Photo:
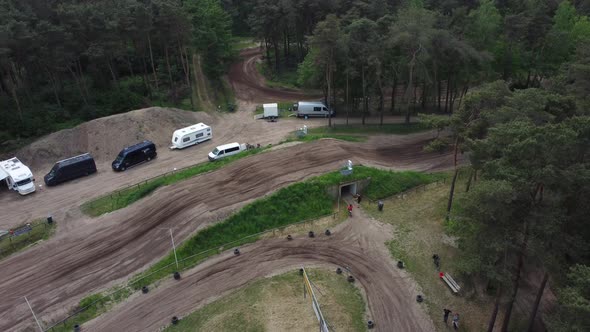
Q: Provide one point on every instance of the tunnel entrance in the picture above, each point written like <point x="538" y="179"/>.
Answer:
<point x="348" y="190"/>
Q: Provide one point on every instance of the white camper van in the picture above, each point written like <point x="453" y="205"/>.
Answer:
<point x="307" y="109"/>
<point x="271" y="110"/>
<point x="226" y="150"/>
<point x="17" y="176"/>
<point x="191" y="135"/>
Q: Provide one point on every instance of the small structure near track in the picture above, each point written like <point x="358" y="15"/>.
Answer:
<point x="450" y="282"/>
<point x="314" y="302"/>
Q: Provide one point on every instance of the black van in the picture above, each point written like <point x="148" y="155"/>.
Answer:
<point x="135" y="154"/>
<point x="69" y="169"/>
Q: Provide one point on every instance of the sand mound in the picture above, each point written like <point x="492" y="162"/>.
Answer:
<point x="103" y="138"/>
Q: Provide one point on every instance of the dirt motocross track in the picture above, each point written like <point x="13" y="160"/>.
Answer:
<point x="88" y="255"/>
<point x="358" y="244"/>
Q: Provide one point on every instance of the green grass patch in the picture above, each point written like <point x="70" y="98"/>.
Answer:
<point x="126" y="197"/>
<point x="239" y="43"/>
<point x="41" y="230"/>
<point x="315" y="137"/>
<point x="391" y="128"/>
<point x="282" y="296"/>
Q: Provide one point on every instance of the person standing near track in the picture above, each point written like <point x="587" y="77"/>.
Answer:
<point x="349" y="210"/>
<point x="456" y="321"/>
<point x="446" y="316"/>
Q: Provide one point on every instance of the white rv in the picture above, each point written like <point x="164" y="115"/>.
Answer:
<point x="17" y="176"/>
<point x="307" y="109"/>
<point x="226" y="150"/>
<point x="191" y="135"/>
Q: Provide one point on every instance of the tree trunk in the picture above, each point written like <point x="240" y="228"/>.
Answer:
<point x="13" y="86"/>
<point x="53" y="82"/>
<point x="277" y="58"/>
<point x="415" y="95"/>
<point x="495" y="311"/>
<point x="82" y="81"/>
<point x="112" y="70"/>
<point x="407" y="94"/>
<point x="347" y="98"/>
<point x="364" y="94"/>
<point x="285" y="49"/>
<point x="451" y="194"/>
<point x="329" y="83"/>
<point x="78" y="84"/>
<point x="469" y="181"/>
<point x="381" y="108"/>
<point x="129" y="65"/>
<point x="516" y="281"/>
<point x="392" y="108"/>
<point x="538" y="301"/>
<point x="168" y="66"/>
<point x="447" y="97"/>
<point x="439" y="93"/>
<point x="424" y="96"/>
<point x="152" y="60"/>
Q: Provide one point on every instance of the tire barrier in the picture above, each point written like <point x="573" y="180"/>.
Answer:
<point x="338" y="271"/>
<point x="175" y="320"/>
<point x="289" y="237"/>
<point x="176" y="275"/>
<point x="311" y="234"/>
<point x="370" y="324"/>
<point x="237" y="252"/>
<point x="145" y="289"/>
<point x="301" y="271"/>
<point x="400" y="264"/>
<point x="350" y="279"/>
<point x="419" y="298"/>
<point x="77" y="328"/>
<point x="327" y="232"/>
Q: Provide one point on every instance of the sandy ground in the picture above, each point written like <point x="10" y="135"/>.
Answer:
<point x="358" y="244"/>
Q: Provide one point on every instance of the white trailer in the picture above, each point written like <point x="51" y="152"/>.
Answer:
<point x="17" y="176"/>
<point x="271" y="110"/>
<point x="191" y="135"/>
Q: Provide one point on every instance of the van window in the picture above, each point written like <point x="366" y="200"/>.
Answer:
<point x="317" y="109"/>
<point x="199" y="135"/>
<point x="232" y="149"/>
<point x="186" y="139"/>
<point x="324" y="109"/>
<point x="175" y="139"/>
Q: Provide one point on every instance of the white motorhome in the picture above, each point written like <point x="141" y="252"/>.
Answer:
<point x="226" y="150"/>
<point x="191" y="135"/>
<point x="17" y="176"/>
<point x="307" y="109"/>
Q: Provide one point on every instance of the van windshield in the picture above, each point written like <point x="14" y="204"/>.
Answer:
<point x="23" y="182"/>
<point x="119" y="159"/>
<point x="216" y="151"/>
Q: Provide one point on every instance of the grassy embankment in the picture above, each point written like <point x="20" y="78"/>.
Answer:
<point x="295" y="203"/>
<point x="40" y="231"/>
<point x="419" y="223"/>
<point x="284" y="307"/>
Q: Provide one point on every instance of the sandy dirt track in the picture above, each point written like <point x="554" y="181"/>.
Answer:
<point x="248" y="84"/>
<point x="57" y="273"/>
<point x="358" y="244"/>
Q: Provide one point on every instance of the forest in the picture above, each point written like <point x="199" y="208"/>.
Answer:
<point x="512" y="76"/>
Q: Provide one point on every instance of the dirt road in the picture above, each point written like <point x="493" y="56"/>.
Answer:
<point x="358" y="244"/>
<point x="98" y="252"/>
<point x="248" y="84"/>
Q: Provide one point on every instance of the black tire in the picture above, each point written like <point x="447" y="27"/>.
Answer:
<point x="123" y="169"/>
<point x="149" y="158"/>
<point x="306" y="116"/>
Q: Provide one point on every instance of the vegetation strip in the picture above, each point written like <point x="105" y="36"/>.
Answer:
<point x="301" y="201"/>
<point x="36" y="231"/>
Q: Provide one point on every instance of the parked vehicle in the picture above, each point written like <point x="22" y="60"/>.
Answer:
<point x="307" y="109"/>
<point x="71" y="168"/>
<point x="17" y="176"/>
<point x="226" y="150"/>
<point x="134" y="155"/>
<point x="191" y="135"/>
<point x="271" y="111"/>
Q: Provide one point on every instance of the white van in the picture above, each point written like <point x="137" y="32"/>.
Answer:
<point x="17" y="175"/>
<point x="307" y="109"/>
<point x="191" y="135"/>
<point x="226" y="150"/>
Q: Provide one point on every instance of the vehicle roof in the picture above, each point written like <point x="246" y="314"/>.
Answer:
<point x="137" y="146"/>
<point x="226" y="146"/>
<point x="15" y="169"/>
<point x="190" y="129"/>
<point x="275" y="105"/>
<point x="73" y="160"/>
<point x="311" y="103"/>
